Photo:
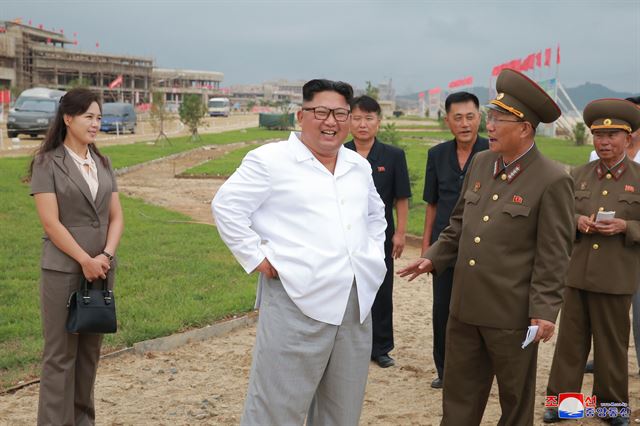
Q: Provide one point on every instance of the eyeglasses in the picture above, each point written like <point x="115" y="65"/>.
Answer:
<point x="494" y="120"/>
<point x="322" y="113"/>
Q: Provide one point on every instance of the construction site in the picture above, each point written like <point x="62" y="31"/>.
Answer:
<point x="33" y="56"/>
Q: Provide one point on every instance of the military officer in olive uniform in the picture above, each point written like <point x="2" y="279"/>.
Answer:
<point x="605" y="263"/>
<point x="509" y="238"/>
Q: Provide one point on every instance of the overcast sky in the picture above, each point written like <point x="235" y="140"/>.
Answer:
<point x="419" y="44"/>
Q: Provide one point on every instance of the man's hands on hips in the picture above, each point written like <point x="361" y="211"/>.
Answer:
<point x="416" y="268"/>
<point x="266" y="268"/>
<point x="545" y="329"/>
<point x="398" y="241"/>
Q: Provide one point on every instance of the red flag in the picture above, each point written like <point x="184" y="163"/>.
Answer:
<point x="117" y="82"/>
<point x="547" y="57"/>
<point x="29" y="22"/>
<point x="48" y="40"/>
<point x="421" y="95"/>
<point x="539" y="59"/>
<point x="434" y="91"/>
<point x="75" y="35"/>
<point x="495" y="71"/>
<point x="97" y="45"/>
<point x="61" y="31"/>
<point x="40" y="26"/>
<point x="528" y="63"/>
<point x="558" y="55"/>
<point x="75" y="42"/>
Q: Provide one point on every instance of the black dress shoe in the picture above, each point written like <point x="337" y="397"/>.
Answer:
<point x="588" y="369"/>
<point x="437" y="383"/>
<point x="384" y="361"/>
<point x="551" y="416"/>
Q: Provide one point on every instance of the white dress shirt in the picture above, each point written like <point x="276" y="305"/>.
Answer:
<point x="318" y="230"/>
<point x="89" y="173"/>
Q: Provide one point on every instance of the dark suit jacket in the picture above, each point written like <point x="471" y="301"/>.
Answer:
<point x="607" y="264"/>
<point x="509" y="238"/>
<point x="86" y="220"/>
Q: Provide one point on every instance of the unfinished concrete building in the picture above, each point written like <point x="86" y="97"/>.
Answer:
<point x="31" y="57"/>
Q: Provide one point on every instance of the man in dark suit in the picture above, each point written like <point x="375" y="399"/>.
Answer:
<point x="391" y="178"/>
<point x="447" y="165"/>
<point x="509" y="238"/>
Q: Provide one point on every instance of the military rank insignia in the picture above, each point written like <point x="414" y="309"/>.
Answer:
<point x="629" y="188"/>
<point x="517" y="199"/>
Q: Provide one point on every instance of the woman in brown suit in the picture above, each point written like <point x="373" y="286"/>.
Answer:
<point x="604" y="268"/>
<point x="76" y="197"/>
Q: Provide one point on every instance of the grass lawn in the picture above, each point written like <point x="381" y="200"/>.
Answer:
<point x="171" y="276"/>
<point x="127" y="155"/>
<point x="223" y="166"/>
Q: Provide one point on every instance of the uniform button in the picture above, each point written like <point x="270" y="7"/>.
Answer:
<point x="494" y="197"/>
<point x="596" y="246"/>
<point x="608" y="176"/>
<point x="503" y="176"/>
<point x="600" y="209"/>
<point x="472" y="262"/>
<point x="95" y="224"/>
<point x="476" y="240"/>
<point x="485" y="219"/>
<point x="605" y="192"/>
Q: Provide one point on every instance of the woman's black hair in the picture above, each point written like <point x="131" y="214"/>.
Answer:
<point x="74" y="102"/>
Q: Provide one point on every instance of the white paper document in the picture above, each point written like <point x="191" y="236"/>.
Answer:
<point x="605" y="216"/>
<point x="531" y="334"/>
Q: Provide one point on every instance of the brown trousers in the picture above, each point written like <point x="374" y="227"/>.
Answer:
<point x="606" y="317"/>
<point x="474" y="355"/>
<point x="69" y="361"/>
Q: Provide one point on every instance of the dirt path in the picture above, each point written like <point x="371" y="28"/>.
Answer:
<point x="204" y="383"/>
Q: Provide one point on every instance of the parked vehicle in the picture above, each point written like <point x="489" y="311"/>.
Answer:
<point x="118" y="117"/>
<point x="33" y="111"/>
<point x="219" y="107"/>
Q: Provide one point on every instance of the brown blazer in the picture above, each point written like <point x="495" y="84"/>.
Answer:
<point x="607" y="264"/>
<point x="509" y="237"/>
<point x="86" y="220"/>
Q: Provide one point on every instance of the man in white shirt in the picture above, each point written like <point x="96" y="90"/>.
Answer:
<point x="306" y="215"/>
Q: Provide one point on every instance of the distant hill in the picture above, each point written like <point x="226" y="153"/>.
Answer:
<point x="580" y="95"/>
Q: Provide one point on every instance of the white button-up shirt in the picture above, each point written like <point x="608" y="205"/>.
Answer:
<point x="318" y="230"/>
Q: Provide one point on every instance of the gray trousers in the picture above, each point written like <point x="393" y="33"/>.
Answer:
<point x="69" y="361"/>
<point x="635" y="302"/>
<point x="303" y="368"/>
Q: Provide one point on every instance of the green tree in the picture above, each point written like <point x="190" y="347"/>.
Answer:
<point x="158" y="115"/>
<point x="191" y="113"/>
<point x="372" y="90"/>
<point x="579" y="134"/>
<point x="390" y="134"/>
<point x="79" y="82"/>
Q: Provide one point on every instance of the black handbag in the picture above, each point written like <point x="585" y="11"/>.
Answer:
<point x="91" y="310"/>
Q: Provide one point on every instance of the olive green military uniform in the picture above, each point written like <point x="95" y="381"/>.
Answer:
<point x="603" y="275"/>
<point x="509" y="238"/>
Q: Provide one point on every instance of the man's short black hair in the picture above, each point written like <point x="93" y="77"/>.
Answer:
<point x="318" y="85"/>
<point x="635" y="100"/>
<point x="460" y="97"/>
<point x="366" y="104"/>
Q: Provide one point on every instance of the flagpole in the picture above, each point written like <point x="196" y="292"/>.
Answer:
<point x="555" y="95"/>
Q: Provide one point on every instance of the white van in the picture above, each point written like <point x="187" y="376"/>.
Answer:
<point x="219" y="107"/>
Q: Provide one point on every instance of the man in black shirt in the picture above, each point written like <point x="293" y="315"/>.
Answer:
<point x="446" y="167"/>
<point x="391" y="178"/>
